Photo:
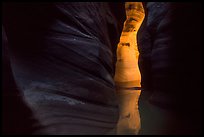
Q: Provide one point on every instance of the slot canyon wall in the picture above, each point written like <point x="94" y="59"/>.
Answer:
<point x="170" y="62"/>
<point x="62" y="62"/>
<point x="127" y="70"/>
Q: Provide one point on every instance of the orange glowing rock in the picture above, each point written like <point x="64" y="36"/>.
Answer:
<point x="127" y="70"/>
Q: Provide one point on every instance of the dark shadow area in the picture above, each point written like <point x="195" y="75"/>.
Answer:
<point x="16" y="116"/>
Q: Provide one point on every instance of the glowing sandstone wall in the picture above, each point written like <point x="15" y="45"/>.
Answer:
<point x="127" y="71"/>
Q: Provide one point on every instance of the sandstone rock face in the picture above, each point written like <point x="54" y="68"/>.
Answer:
<point x="169" y="42"/>
<point x="62" y="58"/>
<point x="127" y="71"/>
<point x="165" y="41"/>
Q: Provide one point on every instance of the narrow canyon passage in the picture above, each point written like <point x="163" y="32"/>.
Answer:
<point x="127" y="71"/>
<point x="61" y="76"/>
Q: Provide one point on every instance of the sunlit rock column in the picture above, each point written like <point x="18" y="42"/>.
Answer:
<point x="127" y="71"/>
